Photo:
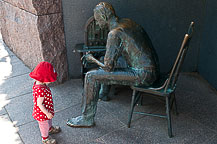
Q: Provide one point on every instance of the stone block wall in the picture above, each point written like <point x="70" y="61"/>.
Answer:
<point x="34" y="31"/>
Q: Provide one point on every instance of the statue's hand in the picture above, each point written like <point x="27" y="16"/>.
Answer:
<point x="89" y="57"/>
<point x="107" y="69"/>
<point x="86" y="58"/>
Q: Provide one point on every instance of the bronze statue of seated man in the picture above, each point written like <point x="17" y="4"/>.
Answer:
<point x="126" y="39"/>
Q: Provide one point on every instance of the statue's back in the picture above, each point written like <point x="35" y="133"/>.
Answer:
<point x="138" y="42"/>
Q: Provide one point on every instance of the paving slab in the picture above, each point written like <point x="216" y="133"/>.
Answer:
<point x="4" y="46"/>
<point x="8" y="132"/>
<point x="18" y="68"/>
<point x="213" y="140"/>
<point x="20" y="109"/>
<point x="119" y="105"/>
<point x="198" y="100"/>
<point x="97" y="141"/>
<point x="67" y="94"/>
<point x="196" y="122"/>
<point x="105" y="123"/>
<point x="154" y="130"/>
<point x="12" y="56"/>
<point x="30" y="133"/>
<point x="16" y="86"/>
<point x="64" y="96"/>
<point x="2" y="111"/>
<point x="6" y="67"/>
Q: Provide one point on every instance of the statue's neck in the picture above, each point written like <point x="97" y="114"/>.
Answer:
<point x="113" y="22"/>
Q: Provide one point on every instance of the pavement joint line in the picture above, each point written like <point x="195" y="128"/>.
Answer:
<point x="99" y="138"/>
<point x="3" y="114"/>
<point x="25" y="123"/>
<point x="13" y="125"/>
<point x="55" y="112"/>
<point x="16" y="61"/>
<point x="67" y="108"/>
<point x="209" y="139"/>
<point x="17" y="75"/>
<point x="19" y="95"/>
<point x="155" y="110"/>
<point x="111" y="132"/>
<point x="188" y="115"/>
<point x="114" y="116"/>
<point x="104" y="142"/>
<point x="3" y="108"/>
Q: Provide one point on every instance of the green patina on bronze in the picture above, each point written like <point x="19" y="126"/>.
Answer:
<point x="126" y="39"/>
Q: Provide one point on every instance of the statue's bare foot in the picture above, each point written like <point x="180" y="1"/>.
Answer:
<point x="80" y="121"/>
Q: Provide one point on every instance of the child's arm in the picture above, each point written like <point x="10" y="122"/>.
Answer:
<point x="43" y="109"/>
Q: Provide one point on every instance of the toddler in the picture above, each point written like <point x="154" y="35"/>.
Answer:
<point x="43" y="110"/>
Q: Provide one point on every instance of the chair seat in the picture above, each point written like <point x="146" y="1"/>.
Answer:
<point x="157" y="87"/>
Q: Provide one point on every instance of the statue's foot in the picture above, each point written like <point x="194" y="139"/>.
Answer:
<point x="80" y="121"/>
<point x="105" y="98"/>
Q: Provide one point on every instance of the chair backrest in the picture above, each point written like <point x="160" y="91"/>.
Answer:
<point x="173" y="76"/>
<point x="94" y="36"/>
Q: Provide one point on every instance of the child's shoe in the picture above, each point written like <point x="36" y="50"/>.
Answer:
<point x="54" y="130"/>
<point x="49" y="141"/>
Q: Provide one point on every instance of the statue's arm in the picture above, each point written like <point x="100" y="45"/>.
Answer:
<point x="90" y="58"/>
<point x="113" y="49"/>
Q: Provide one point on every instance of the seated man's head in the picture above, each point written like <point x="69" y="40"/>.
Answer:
<point x="103" y="12"/>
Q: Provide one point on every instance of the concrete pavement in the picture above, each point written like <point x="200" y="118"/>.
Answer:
<point x="195" y="124"/>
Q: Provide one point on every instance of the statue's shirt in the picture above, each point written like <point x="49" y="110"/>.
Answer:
<point x="129" y="40"/>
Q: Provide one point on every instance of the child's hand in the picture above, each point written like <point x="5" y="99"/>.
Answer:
<point x="49" y="116"/>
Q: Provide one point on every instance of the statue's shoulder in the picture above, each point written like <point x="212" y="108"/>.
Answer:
<point x="116" y="31"/>
<point x="126" y="22"/>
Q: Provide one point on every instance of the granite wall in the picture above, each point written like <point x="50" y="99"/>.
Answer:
<point x="34" y="31"/>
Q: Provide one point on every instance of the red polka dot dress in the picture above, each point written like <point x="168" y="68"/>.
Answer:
<point x="42" y="91"/>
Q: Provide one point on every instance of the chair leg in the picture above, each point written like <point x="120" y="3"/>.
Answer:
<point x="132" y="107"/>
<point x="168" y="117"/>
<point x="175" y="105"/>
<point x="141" y="100"/>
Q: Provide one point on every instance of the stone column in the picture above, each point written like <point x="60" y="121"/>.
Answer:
<point x="34" y="31"/>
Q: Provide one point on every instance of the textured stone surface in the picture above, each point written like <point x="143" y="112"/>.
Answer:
<point x="212" y="140"/>
<point x="111" y="116"/>
<point x="20" y="33"/>
<point x="106" y="123"/>
<point x="35" y="38"/>
<point x="21" y="85"/>
<point x="37" y="7"/>
<point x="9" y="133"/>
<point x="67" y="94"/>
<point x="18" y="69"/>
<point x="16" y="108"/>
<point x="51" y="32"/>
<point x="2" y="111"/>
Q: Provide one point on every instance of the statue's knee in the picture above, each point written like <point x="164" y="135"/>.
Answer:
<point x="90" y="75"/>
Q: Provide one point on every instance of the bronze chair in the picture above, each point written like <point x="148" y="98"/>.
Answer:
<point x="165" y="86"/>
